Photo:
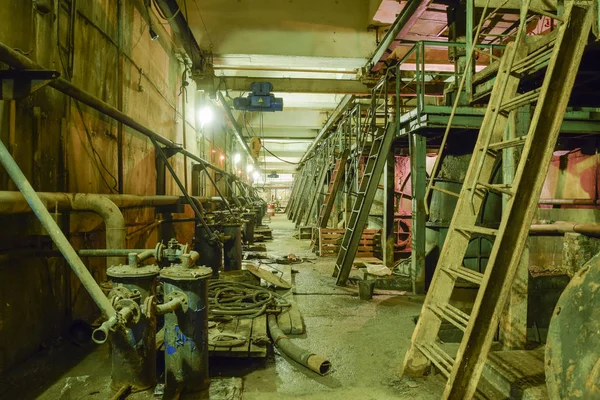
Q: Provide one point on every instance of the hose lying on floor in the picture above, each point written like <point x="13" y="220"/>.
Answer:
<point x="242" y="299"/>
<point x="310" y="360"/>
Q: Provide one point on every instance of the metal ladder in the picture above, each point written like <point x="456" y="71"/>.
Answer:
<point x="380" y="148"/>
<point x="565" y="51"/>
<point x="336" y="179"/>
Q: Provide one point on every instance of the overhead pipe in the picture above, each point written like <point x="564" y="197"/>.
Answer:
<point x="16" y="60"/>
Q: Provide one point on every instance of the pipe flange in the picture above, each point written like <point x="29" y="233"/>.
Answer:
<point x="119" y="292"/>
<point x="182" y="297"/>
<point x="136" y="312"/>
<point x="149" y="307"/>
<point x="158" y="252"/>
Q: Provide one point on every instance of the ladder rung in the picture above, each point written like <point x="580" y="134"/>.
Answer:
<point x="533" y="60"/>
<point x="437" y="356"/>
<point x="466" y="274"/>
<point x="451" y="193"/>
<point x="521" y="100"/>
<point x="477" y="229"/>
<point x="520" y="141"/>
<point x="451" y="314"/>
<point x="498" y="188"/>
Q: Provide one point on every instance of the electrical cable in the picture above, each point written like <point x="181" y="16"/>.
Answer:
<point x="204" y="24"/>
<point x="95" y="155"/>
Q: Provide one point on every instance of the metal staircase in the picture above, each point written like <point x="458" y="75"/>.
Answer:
<point x="563" y="51"/>
<point x="376" y="160"/>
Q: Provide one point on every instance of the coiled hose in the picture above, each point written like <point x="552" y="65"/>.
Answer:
<point x="242" y="299"/>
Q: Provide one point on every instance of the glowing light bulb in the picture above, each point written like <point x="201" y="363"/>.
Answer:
<point x="237" y="158"/>
<point x="205" y="115"/>
<point x="249" y="168"/>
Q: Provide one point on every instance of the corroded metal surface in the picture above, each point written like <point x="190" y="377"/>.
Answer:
<point x="573" y="344"/>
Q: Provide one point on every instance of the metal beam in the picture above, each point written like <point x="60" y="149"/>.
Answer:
<point x="337" y="113"/>
<point x="411" y="12"/>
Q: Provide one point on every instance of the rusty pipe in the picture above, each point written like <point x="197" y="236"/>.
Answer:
<point x="114" y="222"/>
<point x="562" y="227"/>
<point x="19" y="61"/>
<point x="569" y="202"/>
<point x="45" y="218"/>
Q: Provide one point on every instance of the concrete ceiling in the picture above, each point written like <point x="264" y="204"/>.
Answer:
<point x="310" y="50"/>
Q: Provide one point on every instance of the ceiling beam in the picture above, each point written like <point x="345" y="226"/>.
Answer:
<point x="410" y="14"/>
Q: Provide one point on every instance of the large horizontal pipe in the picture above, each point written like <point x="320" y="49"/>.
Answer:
<point x="58" y="237"/>
<point x="569" y="202"/>
<point x="15" y="203"/>
<point x="561" y="227"/>
<point x="19" y="61"/>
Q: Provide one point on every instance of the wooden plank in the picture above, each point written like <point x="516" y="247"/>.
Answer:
<point x="259" y="337"/>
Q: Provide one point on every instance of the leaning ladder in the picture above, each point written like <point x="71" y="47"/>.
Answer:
<point x="380" y="148"/>
<point x="336" y="179"/>
<point x="463" y="371"/>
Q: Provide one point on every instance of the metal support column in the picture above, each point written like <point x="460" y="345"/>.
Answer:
<point x="389" y="237"/>
<point x="418" y="173"/>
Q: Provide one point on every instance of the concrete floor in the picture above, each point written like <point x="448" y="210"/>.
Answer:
<point x="364" y="340"/>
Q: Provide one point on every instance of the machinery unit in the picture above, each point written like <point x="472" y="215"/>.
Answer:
<point x="133" y="346"/>
<point x="186" y="325"/>
<point x="261" y="99"/>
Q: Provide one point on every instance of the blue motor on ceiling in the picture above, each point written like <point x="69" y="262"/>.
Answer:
<point x="261" y="99"/>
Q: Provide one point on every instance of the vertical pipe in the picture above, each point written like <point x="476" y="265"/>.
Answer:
<point x="470" y="43"/>
<point x="87" y="280"/>
<point x="418" y="155"/>
<point x="232" y="248"/>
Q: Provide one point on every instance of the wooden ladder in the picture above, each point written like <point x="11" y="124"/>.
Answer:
<point x="380" y="147"/>
<point x="312" y="200"/>
<point x="565" y="51"/>
<point x="336" y="179"/>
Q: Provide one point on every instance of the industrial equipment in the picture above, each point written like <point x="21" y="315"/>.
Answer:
<point x="133" y="345"/>
<point x="185" y="288"/>
<point x="261" y="99"/>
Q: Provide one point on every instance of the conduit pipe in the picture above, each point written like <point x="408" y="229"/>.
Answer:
<point x="310" y="360"/>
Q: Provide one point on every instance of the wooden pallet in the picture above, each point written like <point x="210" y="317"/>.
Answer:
<point x="331" y="239"/>
<point x="254" y="329"/>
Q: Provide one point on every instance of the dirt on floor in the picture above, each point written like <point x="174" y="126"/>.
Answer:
<point x="364" y="340"/>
